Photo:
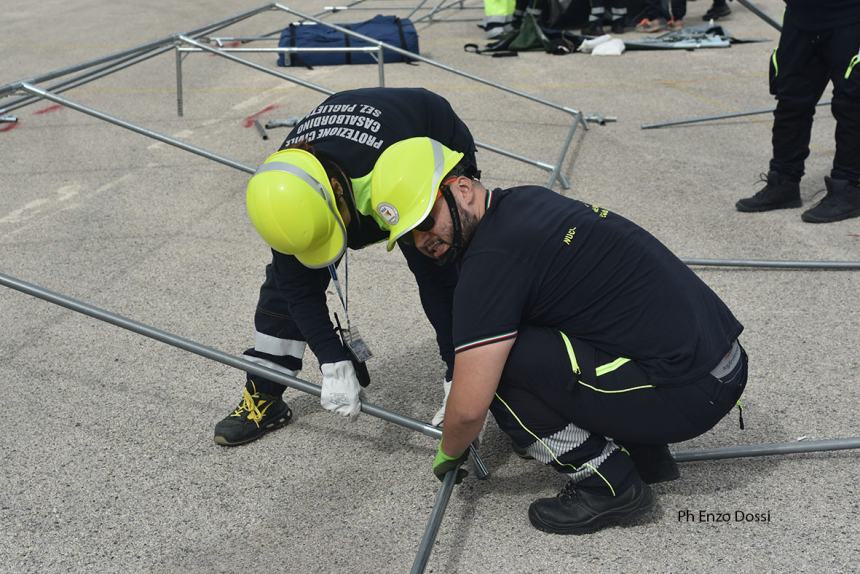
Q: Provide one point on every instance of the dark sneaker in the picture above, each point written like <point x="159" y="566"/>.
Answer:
<point x="257" y="414"/>
<point x="653" y="462"/>
<point x="778" y="193"/>
<point x="582" y="511"/>
<point x="618" y="26"/>
<point x="841" y="202"/>
<point x="593" y="29"/>
<point x="716" y="12"/>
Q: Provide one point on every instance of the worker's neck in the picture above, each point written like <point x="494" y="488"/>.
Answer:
<point x="480" y="198"/>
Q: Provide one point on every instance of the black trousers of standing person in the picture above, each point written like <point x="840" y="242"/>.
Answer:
<point x="800" y="69"/>
<point x="560" y="399"/>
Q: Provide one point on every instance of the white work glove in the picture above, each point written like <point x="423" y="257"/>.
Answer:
<point x="439" y="417"/>
<point x="341" y="392"/>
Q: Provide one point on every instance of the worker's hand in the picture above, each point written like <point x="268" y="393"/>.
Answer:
<point x="439" y="417"/>
<point x="444" y="463"/>
<point x="340" y="389"/>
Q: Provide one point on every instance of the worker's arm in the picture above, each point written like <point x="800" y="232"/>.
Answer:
<point x="477" y="372"/>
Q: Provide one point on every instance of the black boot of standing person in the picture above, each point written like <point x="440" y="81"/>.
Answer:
<point x="719" y="9"/>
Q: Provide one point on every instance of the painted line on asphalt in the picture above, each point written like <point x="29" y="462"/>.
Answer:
<point x="44" y="207"/>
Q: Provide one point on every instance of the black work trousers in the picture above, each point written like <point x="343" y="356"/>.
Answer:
<point x="562" y="399"/>
<point x="800" y="69"/>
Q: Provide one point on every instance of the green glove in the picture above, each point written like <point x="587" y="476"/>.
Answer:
<point x="444" y="463"/>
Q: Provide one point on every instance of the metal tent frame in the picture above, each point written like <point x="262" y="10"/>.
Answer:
<point x="444" y="494"/>
<point x="95" y="69"/>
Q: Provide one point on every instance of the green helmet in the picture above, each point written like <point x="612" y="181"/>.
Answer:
<point x="406" y="180"/>
<point x="291" y="204"/>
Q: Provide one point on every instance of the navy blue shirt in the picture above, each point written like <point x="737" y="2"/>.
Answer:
<point x="352" y="129"/>
<point x="541" y="259"/>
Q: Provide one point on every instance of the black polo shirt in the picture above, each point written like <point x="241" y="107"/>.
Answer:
<point x="539" y="258"/>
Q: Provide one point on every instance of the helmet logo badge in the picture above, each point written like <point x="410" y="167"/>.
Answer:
<point x="388" y="212"/>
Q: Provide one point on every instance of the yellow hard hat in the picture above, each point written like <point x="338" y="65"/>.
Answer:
<point x="291" y="204"/>
<point x="405" y="182"/>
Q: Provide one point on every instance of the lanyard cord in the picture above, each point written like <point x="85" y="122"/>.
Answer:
<point x="344" y="300"/>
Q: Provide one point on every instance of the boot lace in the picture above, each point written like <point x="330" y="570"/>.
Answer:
<point x="251" y="404"/>
<point x="568" y="490"/>
<point x="762" y="179"/>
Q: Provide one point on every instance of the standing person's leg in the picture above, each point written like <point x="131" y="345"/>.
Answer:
<point x="679" y="11"/>
<point x="278" y="344"/>
<point x="719" y="9"/>
<point x="798" y="76"/>
<point x="498" y="17"/>
<point x="842" y="52"/>
<point x="595" y="19"/>
<point x="654" y="20"/>
<point x="618" y="11"/>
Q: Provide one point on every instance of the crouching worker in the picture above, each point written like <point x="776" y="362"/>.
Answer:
<point x="310" y="201"/>
<point x="572" y="325"/>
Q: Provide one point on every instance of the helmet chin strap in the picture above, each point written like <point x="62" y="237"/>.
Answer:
<point x="455" y="250"/>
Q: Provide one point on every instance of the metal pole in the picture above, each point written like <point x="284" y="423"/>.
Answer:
<point x="215" y="355"/>
<point x="416" y="9"/>
<point x="381" y="63"/>
<point x="556" y="170"/>
<point x="839" y="265"/>
<point x="752" y="8"/>
<point x="541" y="164"/>
<point x="327" y="11"/>
<point x="711" y="118"/>
<point x="767" y="449"/>
<point x="8" y="88"/>
<point x="257" y="67"/>
<point x="143" y="131"/>
<point x="432" y="529"/>
<point x="440" y="8"/>
<point x="90" y="76"/>
<point x="179" y="111"/>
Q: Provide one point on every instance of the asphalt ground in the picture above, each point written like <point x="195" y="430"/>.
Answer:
<point x="108" y="463"/>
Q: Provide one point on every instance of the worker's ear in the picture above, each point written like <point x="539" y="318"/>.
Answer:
<point x="462" y="186"/>
<point x="342" y="206"/>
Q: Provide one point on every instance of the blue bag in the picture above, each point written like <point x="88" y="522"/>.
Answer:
<point x="389" y="29"/>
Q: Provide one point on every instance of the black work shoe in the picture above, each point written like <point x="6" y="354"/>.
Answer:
<point x="778" y="193"/>
<point x="593" y="29"/>
<point x="618" y="26"/>
<point x="841" y="202"/>
<point x="257" y="414"/>
<point x="653" y="462"/>
<point x="521" y="452"/>
<point x="716" y="12"/>
<point x="582" y="511"/>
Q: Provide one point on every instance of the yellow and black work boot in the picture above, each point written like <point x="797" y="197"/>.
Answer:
<point x="579" y="510"/>
<point x="779" y="192"/>
<point x="257" y="414"/>
<point x="841" y="202"/>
